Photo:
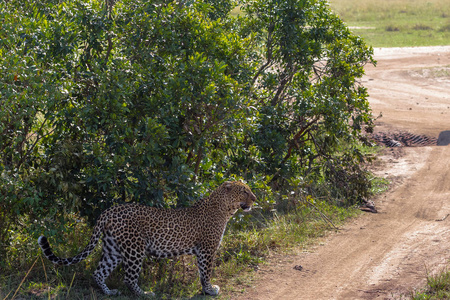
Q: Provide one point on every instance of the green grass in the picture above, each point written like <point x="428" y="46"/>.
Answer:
<point x="438" y="287"/>
<point x="397" y="23"/>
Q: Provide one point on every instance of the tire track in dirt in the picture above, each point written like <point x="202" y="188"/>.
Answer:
<point x="385" y="255"/>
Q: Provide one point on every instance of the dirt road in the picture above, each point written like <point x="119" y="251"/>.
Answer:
<point x="386" y="255"/>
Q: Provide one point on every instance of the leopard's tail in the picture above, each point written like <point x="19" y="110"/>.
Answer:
<point x="45" y="246"/>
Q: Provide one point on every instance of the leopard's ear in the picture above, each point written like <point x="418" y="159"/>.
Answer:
<point x="228" y="185"/>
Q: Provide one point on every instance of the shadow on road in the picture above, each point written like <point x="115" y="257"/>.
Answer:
<point x="444" y="138"/>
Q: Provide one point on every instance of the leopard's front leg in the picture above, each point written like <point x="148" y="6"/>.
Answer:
<point x="205" y="260"/>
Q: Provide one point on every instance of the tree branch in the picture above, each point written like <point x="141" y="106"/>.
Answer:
<point x="269" y="54"/>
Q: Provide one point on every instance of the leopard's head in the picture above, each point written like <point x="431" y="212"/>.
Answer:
<point x="237" y="195"/>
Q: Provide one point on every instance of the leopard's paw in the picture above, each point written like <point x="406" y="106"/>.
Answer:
<point x="212" y="291"/>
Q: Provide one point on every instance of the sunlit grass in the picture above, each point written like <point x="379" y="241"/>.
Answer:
<point x="236" y="11"/>
<point x="397" y="23"/>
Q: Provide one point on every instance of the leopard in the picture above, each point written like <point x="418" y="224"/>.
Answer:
<point x="130" y="232"/>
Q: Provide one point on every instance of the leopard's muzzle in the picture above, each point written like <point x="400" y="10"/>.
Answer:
<point x="247" y="205"/>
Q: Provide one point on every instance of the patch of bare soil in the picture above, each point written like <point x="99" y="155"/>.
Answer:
<point x="386" y="255"/>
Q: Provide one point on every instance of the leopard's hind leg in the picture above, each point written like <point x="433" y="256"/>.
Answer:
<point x="111" y="258"/>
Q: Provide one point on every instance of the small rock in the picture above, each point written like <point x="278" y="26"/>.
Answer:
<point x="298" y="267"/>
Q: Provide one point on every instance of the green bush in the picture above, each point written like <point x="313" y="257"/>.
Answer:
<point x="158" y="102"/>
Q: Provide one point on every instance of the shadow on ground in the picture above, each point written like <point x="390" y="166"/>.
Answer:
<point x="444" y="138"/>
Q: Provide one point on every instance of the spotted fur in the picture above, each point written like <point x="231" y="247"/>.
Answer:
<point x="132" y="231"/>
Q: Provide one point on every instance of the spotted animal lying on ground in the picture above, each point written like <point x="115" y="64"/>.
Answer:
<point x="131" y="231"/>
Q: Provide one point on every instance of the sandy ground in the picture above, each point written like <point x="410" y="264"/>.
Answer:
<point x="386" y="255"/>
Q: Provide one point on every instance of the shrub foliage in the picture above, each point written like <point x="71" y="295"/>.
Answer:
<point x="105" y="102"/>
